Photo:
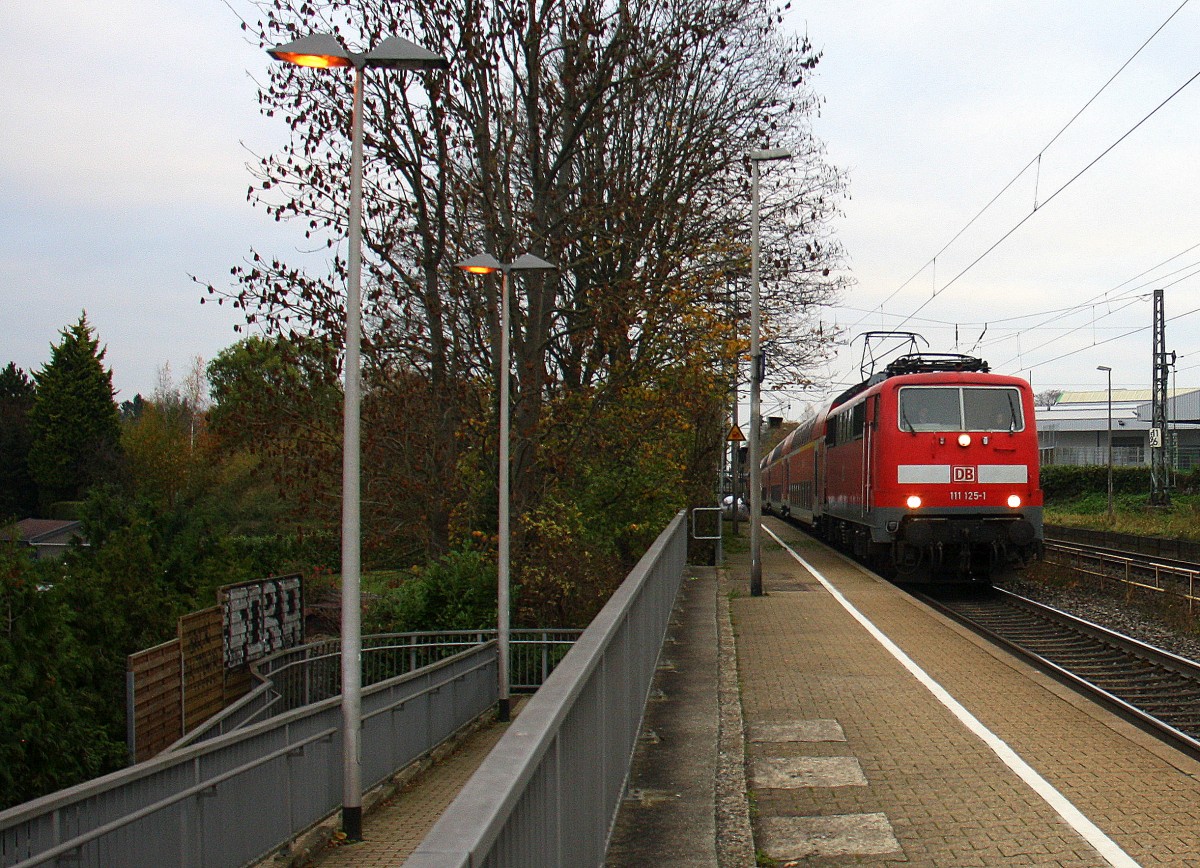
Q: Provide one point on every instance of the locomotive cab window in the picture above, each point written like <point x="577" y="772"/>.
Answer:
<point x="993" y="410"/>
<point x="930" y="408"/>
<point x="955" y="408"/>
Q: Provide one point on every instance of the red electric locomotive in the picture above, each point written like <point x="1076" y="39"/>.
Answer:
<point x="930" y="467"/>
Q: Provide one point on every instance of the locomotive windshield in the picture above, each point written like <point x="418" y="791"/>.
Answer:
<point x="960" y="408"/>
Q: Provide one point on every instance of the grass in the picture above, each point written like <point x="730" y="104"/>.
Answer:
<point x="1132" y="514"/>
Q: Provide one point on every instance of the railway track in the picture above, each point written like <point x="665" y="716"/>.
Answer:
<point x="1158" y="690"/>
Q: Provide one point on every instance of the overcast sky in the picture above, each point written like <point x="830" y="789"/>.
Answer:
<point x="124" y="139"/>
<point x="128" y="125"/>
<point x="935" y="107"/>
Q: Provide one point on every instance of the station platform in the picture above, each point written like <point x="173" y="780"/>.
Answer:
<point x="836" y="720"/>
<point x="879" y="732"/>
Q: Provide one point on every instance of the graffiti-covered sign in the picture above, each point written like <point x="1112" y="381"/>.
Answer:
<point x="261" y="617"/>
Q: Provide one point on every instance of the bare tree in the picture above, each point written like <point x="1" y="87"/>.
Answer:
<point x="604" y="135"/>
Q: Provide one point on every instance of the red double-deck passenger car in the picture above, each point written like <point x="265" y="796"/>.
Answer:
<point x="930" y="467"/>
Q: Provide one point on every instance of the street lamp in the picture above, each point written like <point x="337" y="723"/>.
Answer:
<point x="485" y="263"/>
<point x="1108" y="371"/>
<point x="323" y="51"/>
<point x="757" y="373"/>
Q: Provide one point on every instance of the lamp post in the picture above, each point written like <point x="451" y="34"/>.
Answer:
<point x="324" y="51"/>
<point x="485" y="263"/>
<point x="734" y="444"/>
<point x="757" y="372"/>
<point x="1108" y="371"/>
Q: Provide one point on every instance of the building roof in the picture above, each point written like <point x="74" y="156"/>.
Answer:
<point x="1100" y="396"/>
<point x="1126" y="410"/>
<point x="38" y="530"/>
<point x="1131" y="410"/>
<point x="1091" y="423"/>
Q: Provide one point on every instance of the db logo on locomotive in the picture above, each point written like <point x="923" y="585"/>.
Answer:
<point x="963" y="474"/>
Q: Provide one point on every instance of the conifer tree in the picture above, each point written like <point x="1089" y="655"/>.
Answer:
<point x="18" y="494"/>
<point x="75" y="427"/>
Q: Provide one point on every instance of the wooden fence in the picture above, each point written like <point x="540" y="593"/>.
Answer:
<point x="174" y="687"/>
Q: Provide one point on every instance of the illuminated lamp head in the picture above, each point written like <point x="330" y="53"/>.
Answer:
<point x="1014" y="500"/>
<point x="914" y="501"/>
<point x="964" y="440"/>
<point x="483" y="263"/>
<point x="316" y="61"/>
<point x="320" y="51"/>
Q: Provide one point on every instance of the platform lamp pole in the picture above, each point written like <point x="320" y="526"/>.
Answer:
<point x="485" y="263"/>
<point x="324" y="51"/>
<point x="756" y="375"/>
<point x="1108" y="371"/>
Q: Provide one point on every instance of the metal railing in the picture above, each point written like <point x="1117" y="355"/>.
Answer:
<point x="1081" y="456"/>
<point x="276" y="756"/>
<point x="1172" y="580"/>
<point x="1155" y="546"/>
<point x="311" y="673"/>
<point x="1178" y="457"/>
<point x="548" y="793"/>
<point x="236" y="797"/>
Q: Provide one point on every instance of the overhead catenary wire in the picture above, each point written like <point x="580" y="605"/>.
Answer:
<point x="1110" y="296"/>
<point x="1051" y="198"/>
<point x="1046" y="318"/>
<point x="1036" y="161"/>
<point x="1133" y="331"/>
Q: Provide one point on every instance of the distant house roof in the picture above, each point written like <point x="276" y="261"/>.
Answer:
<point x="49" y="537"/>
<point x="36" y="530"/>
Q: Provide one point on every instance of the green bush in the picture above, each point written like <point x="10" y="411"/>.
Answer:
<point x="54" y="729"/>
<point x="455" y="592"/>
<point x="1062" y="482"/>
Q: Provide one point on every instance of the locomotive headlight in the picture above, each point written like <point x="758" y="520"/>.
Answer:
<point x="964" y="440"/>
<point x="1014" y="500"/>
<point x="914" y="501"/>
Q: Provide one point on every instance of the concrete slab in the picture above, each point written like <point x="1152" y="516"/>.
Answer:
<point x="787" y="838"/>
<point x="776" y="773"/>
<point x="797" y="731"/>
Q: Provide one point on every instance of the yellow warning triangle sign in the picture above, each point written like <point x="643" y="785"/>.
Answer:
<point x="735" y="435"/>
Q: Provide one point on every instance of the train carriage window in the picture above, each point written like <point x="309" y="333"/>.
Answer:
<point x="992" y="410"/>
<point x="858" y="419"/>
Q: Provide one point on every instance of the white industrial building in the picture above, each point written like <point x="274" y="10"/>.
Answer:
<point x="1074" y="430"/>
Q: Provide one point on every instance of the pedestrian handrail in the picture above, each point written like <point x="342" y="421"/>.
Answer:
<point x="235" y="797"/>
<point x="232" y="798"/>
<point x="549" y="792"/>
<point x="300" y="676"/>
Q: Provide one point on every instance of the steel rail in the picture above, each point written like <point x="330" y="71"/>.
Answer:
<point x="1135" y="704"/>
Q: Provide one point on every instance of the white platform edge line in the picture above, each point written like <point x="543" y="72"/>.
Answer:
<point x="1092" y="833"/>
